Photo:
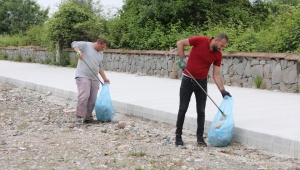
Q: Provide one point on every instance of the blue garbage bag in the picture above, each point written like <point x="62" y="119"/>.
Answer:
<point x="103" y="106"/>
<point x="221" y="130"/>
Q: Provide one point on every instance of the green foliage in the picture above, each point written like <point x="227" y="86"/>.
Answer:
<point x="64" y="59"/>
<point x="289" y="2"/>
<point x="14" y="40"/>
<point x="296" y="89"/>
<point x="29" y="59"/>
<point x="18" y="58"/>
<point x="255" y="26"/>
<point x="72" y="22"/>
<point x="35" y="36"/>
<point x="48" y="61"/>
<point x="263" y="85"/>
<point x="158" y="25"/>
<point x="258" y="81"/>
<point x="139" y="154"/>
<point x="17" y="15"/>
<point x="73" y="62"/>
<point x="92" y="6"/>
<point x="3" y="56"/>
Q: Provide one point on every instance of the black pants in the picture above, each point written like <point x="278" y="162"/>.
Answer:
<point x="188" y="86"/>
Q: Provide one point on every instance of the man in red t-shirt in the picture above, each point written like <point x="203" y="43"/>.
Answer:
<point x="205" y="51"/>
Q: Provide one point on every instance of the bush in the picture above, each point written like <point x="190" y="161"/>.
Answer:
<point x="73" y="62"/>
<point x="257" y="81"/>
<point x="29" y="59"/>
<point x="263" y="85"/>
<point x="296" y="89"/>
<point x="3" y="56"/>
<point x="18" y="58"/>
<point x="64" y="59"/>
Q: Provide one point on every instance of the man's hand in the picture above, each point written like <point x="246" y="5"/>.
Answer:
<point x="182" y="64"/>
<point x="106" y="80"/>
<point x="79" y="55"/>
<point x="225" y="93"/>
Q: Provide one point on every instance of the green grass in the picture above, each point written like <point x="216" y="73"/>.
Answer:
<point x="18" y="58"/>
<point x="257" y="81"/>
<point x="29" y="59"/>
<point x="139" y="154"/>
<point x="3" y="56"/>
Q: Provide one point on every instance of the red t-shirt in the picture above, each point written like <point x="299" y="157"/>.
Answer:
<point x="201" y="57"/>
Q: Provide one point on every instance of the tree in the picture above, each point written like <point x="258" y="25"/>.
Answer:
<point x="288" y="2"/>
<point x="18" y="15"/>
<point x="72" y="22"/>
<point x="93" y="6"/>
<point x="157" y="24"/>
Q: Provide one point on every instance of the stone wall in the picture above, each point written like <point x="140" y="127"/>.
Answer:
<point x="278" y="71"/>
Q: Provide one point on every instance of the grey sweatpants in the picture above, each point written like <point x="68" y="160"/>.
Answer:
<point x="87" y="95"/>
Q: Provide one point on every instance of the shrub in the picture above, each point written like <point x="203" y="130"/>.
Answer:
<point x="263" y="85"/>
<point x="73" y="62"/>
<point x="29" y="59"/>
<point x="257" y="81"/>
<point x="296" y="89"/>
<point x="3" y="56"/>
<point x="18" y="58"/>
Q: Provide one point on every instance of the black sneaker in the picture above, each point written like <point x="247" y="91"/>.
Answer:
<point x="178" y="140"/>
<point x="90" y="121"/>
<point x="201" y="143"/>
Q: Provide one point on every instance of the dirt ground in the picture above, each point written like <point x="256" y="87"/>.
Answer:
<point x="35" y="133"/>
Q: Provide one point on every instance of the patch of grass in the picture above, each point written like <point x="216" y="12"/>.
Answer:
<point x="263" y="85"/>
<point x="64" y="59"/>
<point x="23" y="126"/>
<point x="139" y="154"/>
<point x="3" y="56"/>
<point x="152" y="161"/>
<point x="142" y="154"/>
<point x="138" y="169"/>
<point x="41" y="61"/>
<point x="6" y="116"/>
<point x="227" y="152"/>
<point x="67" y="160"/>
<point x="257" y="81"/>
<point x="132" y="153"/>
<point x="73" y="62"/>
<point x="29" y="59"/>
<point x="296" y="89"/>
<point x="18" y="58"/>
<point x="48" y="61"/>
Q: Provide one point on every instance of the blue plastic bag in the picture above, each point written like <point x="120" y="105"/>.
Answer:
<point x="103" y="106"/>
<point x="221" y="130"/>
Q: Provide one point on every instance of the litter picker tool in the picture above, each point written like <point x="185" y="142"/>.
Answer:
<point x="77" y="54"/>
<point x="223" y="114"/>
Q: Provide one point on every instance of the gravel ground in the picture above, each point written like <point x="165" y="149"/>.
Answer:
<point x="35" y="133"/>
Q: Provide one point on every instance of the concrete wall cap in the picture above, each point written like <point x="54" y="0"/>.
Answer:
<point x="173" y="52"/>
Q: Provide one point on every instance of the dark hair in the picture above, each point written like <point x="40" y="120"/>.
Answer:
<point x="102" y="41"/>
<point x="222" y="36"/>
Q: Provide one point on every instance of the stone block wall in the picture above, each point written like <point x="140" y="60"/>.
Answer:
<point x="37" y="54"/>
<point x="279" y="71"/>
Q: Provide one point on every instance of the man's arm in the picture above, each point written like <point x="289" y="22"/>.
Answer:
<point x="219" y="82"/>
<point x="101" y="72"/>
<point x="180" y="47"/>
<point x="217" y="77"/>
<point x="76" y="46"/>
